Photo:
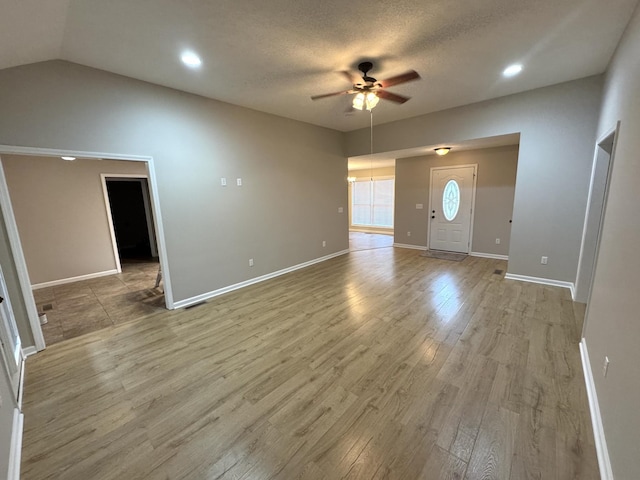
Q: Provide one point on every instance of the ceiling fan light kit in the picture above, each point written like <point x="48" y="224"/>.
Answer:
<point x="369" y="91"/>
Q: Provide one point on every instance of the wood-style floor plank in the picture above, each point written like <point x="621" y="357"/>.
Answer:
<point x="379" y="364"/>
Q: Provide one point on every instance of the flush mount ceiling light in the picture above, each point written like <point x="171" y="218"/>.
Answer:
<point x="68" y="158"/>
<point x="191" y="60"/>
<point x="512" y="70"/>
<point x="442" y="150"/>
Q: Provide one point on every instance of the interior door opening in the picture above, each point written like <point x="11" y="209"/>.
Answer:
<point x="132" y="219"/>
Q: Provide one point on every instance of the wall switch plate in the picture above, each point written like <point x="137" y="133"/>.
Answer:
<point x="223" y="182"/>
<point x="605" y="366"/>
<point x="251" y="262"/>
<point x="239" y="182"/>
<point x="497" y="241"/>
<point x="324" y="243"/>
<point x="419" y="206"/>
<point x="544" y="260"/>
<point x="340" y="210"/>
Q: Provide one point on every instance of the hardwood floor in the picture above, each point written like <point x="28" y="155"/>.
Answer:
<point x="376" y="364"/>
<point x="77" y="308"/>
<point x="367" y="241"/>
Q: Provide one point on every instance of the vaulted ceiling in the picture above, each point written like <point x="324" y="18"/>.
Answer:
<point x="273" y="55"/>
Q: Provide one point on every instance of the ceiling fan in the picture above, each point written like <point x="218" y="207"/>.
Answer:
<point x="368" y="90"/>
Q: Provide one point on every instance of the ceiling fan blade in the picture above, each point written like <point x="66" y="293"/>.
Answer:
<point x="391" y="96"/>
<point x="352" y="77"/>
<point x="398" y="79"/>
<point x="325" y="95"/>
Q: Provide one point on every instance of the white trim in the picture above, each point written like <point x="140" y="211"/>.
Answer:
<point x="19" y="257"/>
<point x="21" y="380"/>
<point x="379" y="231"/>
<point x="412" y="247"/>
<point x="542" y="281"/>
<point x="62" y="281"/>
<point x="206" y="296"/>
<point x="15" y="450"/>
<point x="473" y="200"/>
<point x="112" y="232"/>
<point x="28" y="351"/>
<point x="489" y="255"/>
<point x="19" y="261"/>
<point x="604" y="462"/>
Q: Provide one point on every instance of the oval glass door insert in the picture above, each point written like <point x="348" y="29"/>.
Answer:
<point x="451" y="200"/>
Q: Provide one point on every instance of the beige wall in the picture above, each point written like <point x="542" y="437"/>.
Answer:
<point x="613" y="322"/>
<point x="61" y="215"/>
<point x="494" y="196"/>
<point x="294" y="174"/>
<point x="557" y="126"/>
<point x="368" y="173"/>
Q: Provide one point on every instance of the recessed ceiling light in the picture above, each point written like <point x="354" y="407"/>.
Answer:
<point x="512" y="70"/>
<point x="68" y="158"/>
<point x="190" y="59"/>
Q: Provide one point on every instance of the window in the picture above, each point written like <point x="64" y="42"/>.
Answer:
<point x="451" y="200"/>
<point x="372" y="202"/>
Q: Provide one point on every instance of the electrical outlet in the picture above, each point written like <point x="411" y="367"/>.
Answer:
<point x="544" y="260"/>
<point x="324" y="243"/>
<point x="408" y="234"/>
<point x="239" y="182"/>
<point x="223" y="182"/>
<point x="419" y="206"/>
<point x="497" y="241"/>
<point x="340" y="210"/>
<point x="251" y="262"/>
<point x="605" y="366"/>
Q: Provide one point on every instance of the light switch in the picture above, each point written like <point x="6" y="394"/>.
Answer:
<point x="419" y="206"/>
<point x="239" y="182"/>
<point x="223" y="182"/>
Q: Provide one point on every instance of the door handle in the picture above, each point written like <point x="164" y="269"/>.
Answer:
<point x="1" y="299"/>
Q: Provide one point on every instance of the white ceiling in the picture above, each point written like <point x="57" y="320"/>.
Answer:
<point x="272" y="56"/>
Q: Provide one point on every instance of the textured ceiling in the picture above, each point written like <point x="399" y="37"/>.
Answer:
<point x="272" y="56"/>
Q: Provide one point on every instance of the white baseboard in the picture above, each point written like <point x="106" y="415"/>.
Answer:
<point x="543" y="281"/>
<point x="62" y="281"/>
<point x="15" y="450"/>
<point x="412" y="247"/>
<point x="206" y="296"/>
<point x="604" y="462"/>
<point x="489" y="255"/>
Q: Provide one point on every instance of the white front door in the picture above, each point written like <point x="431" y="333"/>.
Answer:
<point x="452" y="194"/>
<point x="9" y="338"/>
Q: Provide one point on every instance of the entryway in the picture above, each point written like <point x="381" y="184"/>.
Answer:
<point x="451" y="208"/>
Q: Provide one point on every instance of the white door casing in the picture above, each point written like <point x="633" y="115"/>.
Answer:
<point x="10" y="342"/>
<point x="451" y="208"/>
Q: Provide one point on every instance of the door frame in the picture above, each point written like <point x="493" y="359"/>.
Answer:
<point x="104" y="177"/>
<point x="473" y="200"/>
<point x="615" y="132"/>
<point x="14" y="238"/>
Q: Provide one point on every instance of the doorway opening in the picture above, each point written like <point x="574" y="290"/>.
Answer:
<point x="594" y="216"/>
<point x="84" y="287"/>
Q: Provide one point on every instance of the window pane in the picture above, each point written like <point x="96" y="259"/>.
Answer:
<point x="372" y="203"/>
<point x="451" y="200"/>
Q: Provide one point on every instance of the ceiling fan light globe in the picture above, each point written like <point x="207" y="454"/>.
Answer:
<point x="358" y="101"/>
<point x="372" y="100"/>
